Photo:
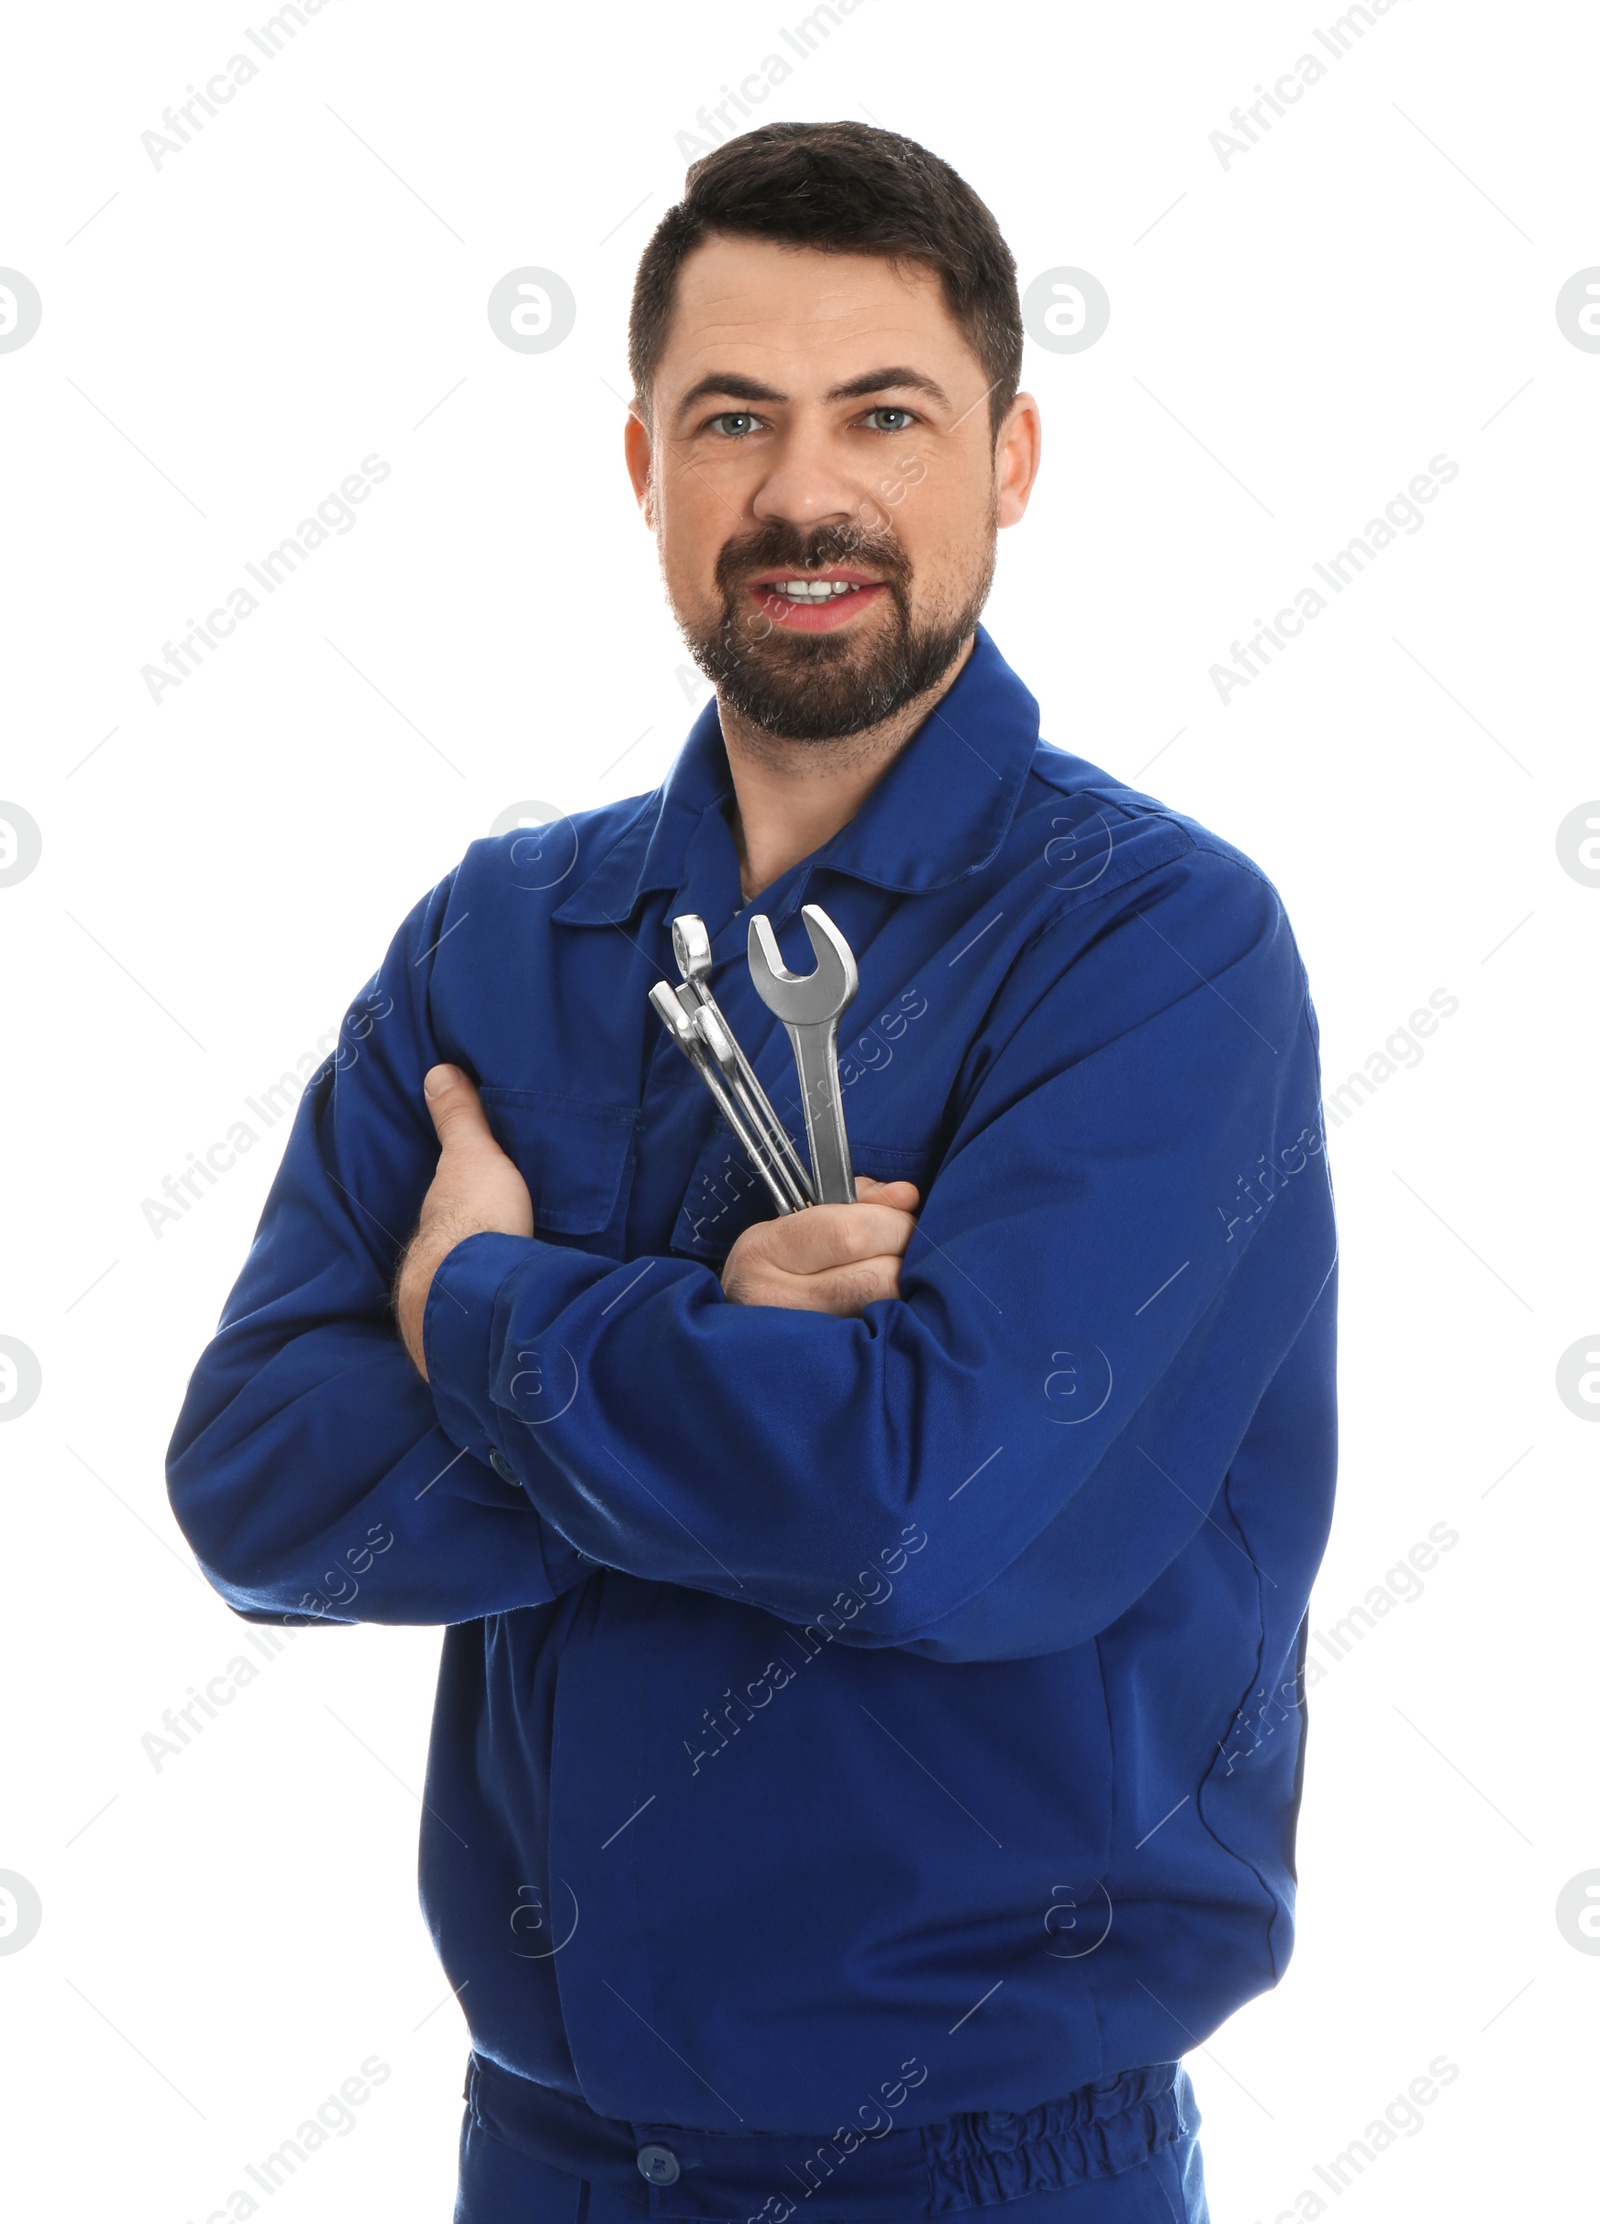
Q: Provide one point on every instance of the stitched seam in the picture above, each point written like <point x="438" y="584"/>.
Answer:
<point x="1232" y="1852"/>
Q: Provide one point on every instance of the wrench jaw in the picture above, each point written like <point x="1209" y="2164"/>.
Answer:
<point x="831" y="947"/>
<point x="803" y="999"/>
<point x="691" y="947"/>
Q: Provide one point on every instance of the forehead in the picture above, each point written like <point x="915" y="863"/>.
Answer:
<point x="800" y="318"/>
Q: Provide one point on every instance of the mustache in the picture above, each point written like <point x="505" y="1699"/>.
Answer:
<point x="779" y="543"/>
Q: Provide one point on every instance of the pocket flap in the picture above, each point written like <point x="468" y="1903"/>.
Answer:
<point x="574" y="1156"/>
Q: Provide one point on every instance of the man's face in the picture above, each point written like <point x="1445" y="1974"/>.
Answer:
<point x="821" y="481"/>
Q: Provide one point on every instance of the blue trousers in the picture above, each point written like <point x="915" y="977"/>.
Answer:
<point x="500" y="2185"/>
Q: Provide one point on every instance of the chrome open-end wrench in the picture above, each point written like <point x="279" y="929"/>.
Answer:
<point x="691" y="946"/>
<point x="809" y="1005"/>
<point x="682" y="1027"/>
<point x="776" y="1149"/>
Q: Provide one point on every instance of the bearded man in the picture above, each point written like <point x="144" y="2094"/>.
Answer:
<point x="1028" y="1452"/>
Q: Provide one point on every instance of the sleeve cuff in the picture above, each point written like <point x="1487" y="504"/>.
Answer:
<point x="458" y="1342"/>
<point x="458" y="1335"/>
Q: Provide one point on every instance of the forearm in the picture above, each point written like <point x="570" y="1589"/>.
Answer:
<point x="1073" y="1291"/>
<point x="315" y="1483"/>
<point x="307" y="1467"/>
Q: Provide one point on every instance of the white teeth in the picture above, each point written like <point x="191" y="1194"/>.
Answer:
<point x="812" y="590"/>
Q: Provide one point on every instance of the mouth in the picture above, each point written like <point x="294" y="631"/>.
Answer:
<point x="815" y="602"/>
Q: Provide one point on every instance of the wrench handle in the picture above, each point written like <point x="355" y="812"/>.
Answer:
<point x="672" y="1015"/>
<point x="745" y="1084"/>
<point x="816" y="1057"/>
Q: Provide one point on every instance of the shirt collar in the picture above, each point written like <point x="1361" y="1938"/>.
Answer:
<point x="939" y="813"/>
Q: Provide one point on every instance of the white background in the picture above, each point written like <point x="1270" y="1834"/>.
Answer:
<point x="1292" y="338"/>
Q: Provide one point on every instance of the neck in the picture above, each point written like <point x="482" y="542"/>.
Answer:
<point x="792" y="796"/>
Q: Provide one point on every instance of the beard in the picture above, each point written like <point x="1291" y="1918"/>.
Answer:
<point x="826" y="686"/>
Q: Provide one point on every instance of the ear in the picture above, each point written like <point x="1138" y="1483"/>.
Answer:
<point x="638" y="449"/>
<point x="1016" y="458"/>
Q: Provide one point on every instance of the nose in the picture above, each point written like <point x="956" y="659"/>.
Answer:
<point x="810" y="480"/>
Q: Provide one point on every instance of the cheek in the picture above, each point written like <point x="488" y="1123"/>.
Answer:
<point x="946" y="519"/>
<point x="691" y="528"/>
<point x="950" y="557"/>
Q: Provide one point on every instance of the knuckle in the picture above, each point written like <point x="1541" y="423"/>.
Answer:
<point x="865" y="1284"/>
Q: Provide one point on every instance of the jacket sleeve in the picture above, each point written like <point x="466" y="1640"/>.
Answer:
<point x="1126" y="1236"/>
<point x="308" y="1469"/>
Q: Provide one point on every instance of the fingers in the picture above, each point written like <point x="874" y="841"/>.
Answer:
<point x="829" y="1258"/>
<point x="902" y="1194"/>
<point x="849" y="1290"/>
<point x="827" y="1236"/>
<point x="845" y="1290"/>
<point x="458" y="1115"/>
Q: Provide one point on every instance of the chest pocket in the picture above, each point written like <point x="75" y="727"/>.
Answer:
<point x="576" y="1158"/>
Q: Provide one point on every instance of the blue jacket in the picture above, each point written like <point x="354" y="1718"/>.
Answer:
<point x="829" y="1710"/>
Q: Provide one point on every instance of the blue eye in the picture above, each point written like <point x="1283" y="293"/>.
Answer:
<point x="890" y="409"/>
<point x="734" y="422"/>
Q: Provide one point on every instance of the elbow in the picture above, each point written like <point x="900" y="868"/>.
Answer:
<point x="199" y="1494"/>
<point x="210" y="1502"/>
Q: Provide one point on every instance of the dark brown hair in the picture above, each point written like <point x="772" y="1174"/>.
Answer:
<point x="847" y="188"/>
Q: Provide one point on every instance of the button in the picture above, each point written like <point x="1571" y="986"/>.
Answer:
<point x="504" y="1469"/>
<point x="659" y="2165"/>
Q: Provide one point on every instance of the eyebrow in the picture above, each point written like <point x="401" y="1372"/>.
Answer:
<point x="736" y="387"/>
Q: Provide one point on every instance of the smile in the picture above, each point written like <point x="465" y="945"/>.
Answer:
<point x="816" y="604"/>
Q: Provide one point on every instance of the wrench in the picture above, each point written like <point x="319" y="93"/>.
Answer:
<point x="809" y="1005"/>
<point x="713" y="1032"/>
<point x="669" y="1009"/>
<point x="691" y="946"/>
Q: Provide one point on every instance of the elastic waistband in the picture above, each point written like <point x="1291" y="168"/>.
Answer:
<point x="929" y="2170"/>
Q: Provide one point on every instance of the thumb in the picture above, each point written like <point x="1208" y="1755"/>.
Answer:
<point x="901" y="1195"/>
<point x="458" y="1116"/>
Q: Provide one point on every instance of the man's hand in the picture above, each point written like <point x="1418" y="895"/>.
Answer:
<point x="476" y="1188"/>
<point x="829" y="1258"/>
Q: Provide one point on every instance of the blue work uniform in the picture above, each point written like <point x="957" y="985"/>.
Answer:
<point x="927" y="1929"/>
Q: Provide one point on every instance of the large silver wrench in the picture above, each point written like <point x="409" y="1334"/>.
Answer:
<point x="691" y="946"/>
<point x="809" y="1005"/>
